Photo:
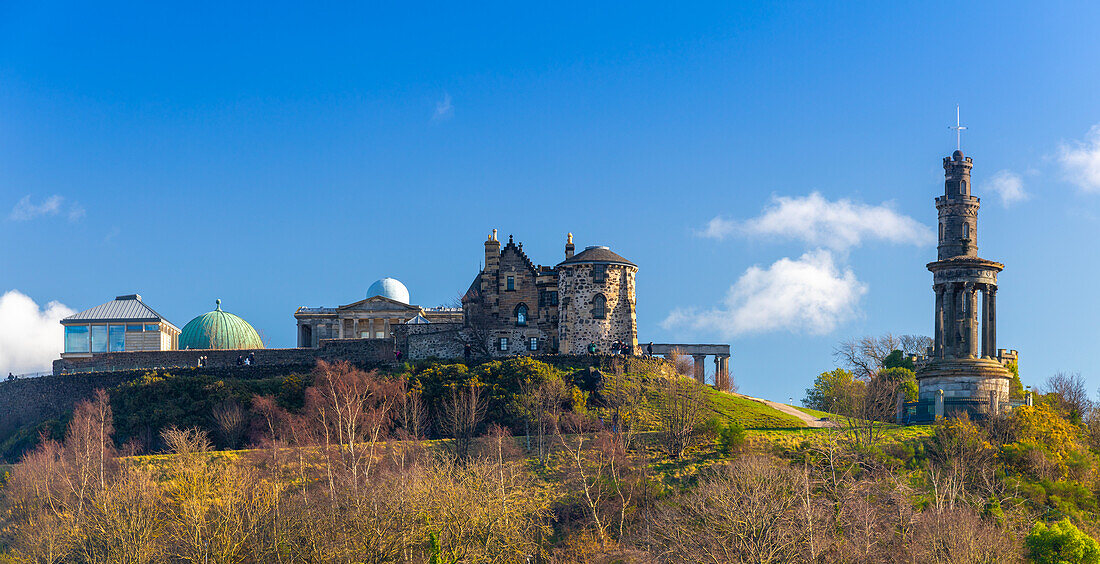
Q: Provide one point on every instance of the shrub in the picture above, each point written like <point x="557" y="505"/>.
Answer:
<point x="1061" y="543"/>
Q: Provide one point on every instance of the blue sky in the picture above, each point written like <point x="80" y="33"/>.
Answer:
<point x="276" y="155"/>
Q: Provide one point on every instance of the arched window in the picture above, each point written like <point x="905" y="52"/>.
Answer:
<point x="966" y="231"/>
<point x="599" y="306"/>
<point x="521" y="315"/>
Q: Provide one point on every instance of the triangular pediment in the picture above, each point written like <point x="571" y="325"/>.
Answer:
<point x="379" y="303"/>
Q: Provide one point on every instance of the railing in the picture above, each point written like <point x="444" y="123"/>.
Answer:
<point x="922" y="412"/>
<point x="10" y="376"/>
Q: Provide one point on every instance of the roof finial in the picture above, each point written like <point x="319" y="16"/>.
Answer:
<point x="569" y="239"/>
<point x="509" y="239"/>
<point x="494" y="238"/>
<point x="218" y="302"/>
<point x="958" y="127"/>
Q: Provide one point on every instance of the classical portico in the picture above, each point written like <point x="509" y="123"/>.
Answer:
<point x="964" y="366"/>
<point x="699" y="354"/>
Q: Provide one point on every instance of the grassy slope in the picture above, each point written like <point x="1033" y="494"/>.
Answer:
<point x="750" y="414"/>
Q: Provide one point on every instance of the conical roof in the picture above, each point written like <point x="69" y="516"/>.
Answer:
<point x="219" y="330"/>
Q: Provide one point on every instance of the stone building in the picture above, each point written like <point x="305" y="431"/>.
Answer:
<point x="515" y="306"/>
<point x="125" y="324"/>
<point x="964" y="367"/>
<point x="386" y="307"/>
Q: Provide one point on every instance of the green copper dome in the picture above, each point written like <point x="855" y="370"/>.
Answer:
<point x="219" y="330"/>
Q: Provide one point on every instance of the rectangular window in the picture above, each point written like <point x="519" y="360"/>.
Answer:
<point x="534" y="343"/>
<point x="504" y="343"/>
<point x="599" y="272"/>
<point x="117" y="338"/>
<point x="152" y="327"/>
<point x="554" y="298"/>
<point x="99" y="338"/>
<point x="511" y="283"/>
<point x="134" y="328"/>
<point x="76" y="338"/>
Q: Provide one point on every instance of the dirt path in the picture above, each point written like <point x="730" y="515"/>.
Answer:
<point x="810" y="420"/>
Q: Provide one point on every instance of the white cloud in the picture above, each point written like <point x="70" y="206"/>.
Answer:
<point x="443" y="109"/>
<point x="76" y="211"/>
<point x="31" y="338"/>
<point x="807" y="295"/>
<point x="818" y="222"/>
<point x="1081" y="161"/>
<point x="1008" y="185"/>
<point x="25" y="210"/>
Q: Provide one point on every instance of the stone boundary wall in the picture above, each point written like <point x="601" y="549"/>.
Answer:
<point x="430" y="340"/>
<point x="356" y="351"/>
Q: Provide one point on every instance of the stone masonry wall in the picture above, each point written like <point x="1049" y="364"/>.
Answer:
<point x="577" y="327"/>
<point x="430" y="340"/>
<point x="358" y="351"/>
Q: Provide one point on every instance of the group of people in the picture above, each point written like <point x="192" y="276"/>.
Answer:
<point x="203" y="360"/>
<point x="246" y="360"/>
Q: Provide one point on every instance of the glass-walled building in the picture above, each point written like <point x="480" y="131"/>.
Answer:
<point x="125" y="324"/>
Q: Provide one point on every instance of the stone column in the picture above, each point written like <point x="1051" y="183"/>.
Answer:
<point x="994" y="403"/>
<point x="385" y="328"/>
<point x="339" y="328"/>
<point x="355" y="328"/>
<point x="986" y="353"/>
<point x="939" y="404"/>
<point x="370" y="328"/>
<point x="991" y="319"/>
<point x="972" y="344"/>
<point x="722" y="372"/>
<point x="938" y="343"/>
<point x="950" y="325"/>
<point x="700" y="369"/>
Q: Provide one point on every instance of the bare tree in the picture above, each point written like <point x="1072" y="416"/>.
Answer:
<point x="1070" y="394"/>
<point x="864" y="356"/>
<point x="746" y="511"/>
<point x="681" y="411"/>
<point x="232" y="422"/>
<point x="462" y="413"/>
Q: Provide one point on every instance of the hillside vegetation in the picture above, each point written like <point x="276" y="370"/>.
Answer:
<point x="521" y="461"/>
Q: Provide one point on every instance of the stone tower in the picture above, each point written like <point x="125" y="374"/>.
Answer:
<point x="596" y="287"/>
<point x="963" y="362"/>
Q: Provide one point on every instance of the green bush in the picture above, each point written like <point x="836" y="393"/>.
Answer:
<point x="1061" y="543"/>
<point x="731" y="438"/>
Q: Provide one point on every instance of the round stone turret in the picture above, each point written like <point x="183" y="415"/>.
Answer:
<point x="597" y="301"/>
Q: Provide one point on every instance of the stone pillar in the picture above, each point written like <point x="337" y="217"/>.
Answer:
<point x="385" y="328"/>
<point x="339" y="328"/>
<point x="938" y="343"/>
<point x="991" y="319"/>
<point x="355" y="328"/>
<point x="1028" y="400"/>
<point x="939" y="404"/>
<point x="722" y="372"/>
<point x="950" y="325"/>
<point x="972" y="343"/>
<point x="994" y="403"/>
<point x="700" y="369"/>
<point x="370" y="328"/>
<point x="986" y="353"/>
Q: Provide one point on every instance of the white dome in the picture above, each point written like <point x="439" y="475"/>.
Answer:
<point x="391" y="288"/>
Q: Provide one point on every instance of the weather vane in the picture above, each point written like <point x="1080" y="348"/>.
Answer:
<point x="958" y="127"/>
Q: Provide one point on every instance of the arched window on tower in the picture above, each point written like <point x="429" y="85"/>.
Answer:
<point x="521" y="315"/>
<point x="966" y="231"/>
<point x="599" y="306"/>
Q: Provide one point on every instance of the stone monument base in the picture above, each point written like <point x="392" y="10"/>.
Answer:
<point x="963" y="378"/>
